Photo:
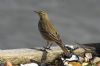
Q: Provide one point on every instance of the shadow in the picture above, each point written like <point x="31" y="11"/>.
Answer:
<point x="38" y="49"/>
<point x="44" y="57"/>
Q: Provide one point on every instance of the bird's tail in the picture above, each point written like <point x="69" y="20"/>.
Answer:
<point x="62" y="46"/>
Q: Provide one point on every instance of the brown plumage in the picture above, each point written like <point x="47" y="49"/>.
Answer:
<point x="48" y="31"/>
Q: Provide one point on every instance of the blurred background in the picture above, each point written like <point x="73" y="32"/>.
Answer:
<point x="75" y="20"/>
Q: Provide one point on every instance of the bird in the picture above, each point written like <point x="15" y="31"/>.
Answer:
<point x="48" y="30"/>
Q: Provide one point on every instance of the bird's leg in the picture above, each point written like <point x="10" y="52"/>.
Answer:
<point x="47" y="45"/>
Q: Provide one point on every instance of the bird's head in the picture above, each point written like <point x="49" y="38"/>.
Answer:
<point x="41" y="13"/>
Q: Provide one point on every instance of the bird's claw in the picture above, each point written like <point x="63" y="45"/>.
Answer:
<point x="48" y="48"/>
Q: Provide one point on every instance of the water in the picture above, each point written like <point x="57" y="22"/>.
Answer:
<point x="75" y="20"/>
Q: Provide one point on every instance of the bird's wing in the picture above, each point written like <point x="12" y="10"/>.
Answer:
<point x="53" y="36"/>
<point x="53" y="33"/>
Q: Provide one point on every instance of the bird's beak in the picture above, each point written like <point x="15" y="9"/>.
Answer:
<point x="36" y="12"/>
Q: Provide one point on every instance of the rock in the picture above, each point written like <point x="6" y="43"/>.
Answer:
<point x="98" y="64"/>
<point x="72" y="63"/>
<point x="8" y="63"/>
<point x="75" y="63"/>
<point x="70" y="47"/>
<point x="88" y="56"/>
<point x="29" y="64"/>
<point x="85" y="64"/>
<point x="72" y="58"/>
<point x="81" y="59"/>
<point x="66" y="64"/>
<point x="79" y="51"/>
<point x="96" y="59"/>
<point x="2" y="64"/>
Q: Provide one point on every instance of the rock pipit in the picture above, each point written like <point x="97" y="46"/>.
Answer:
<point x="48" y="31"/>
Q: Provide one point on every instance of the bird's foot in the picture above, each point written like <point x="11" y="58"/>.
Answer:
<point x="42" y="49"/>
<point x="48" y="48"/>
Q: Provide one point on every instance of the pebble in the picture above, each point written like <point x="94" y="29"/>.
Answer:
<point x="8" y="63"/>
<point x="29" y="64"/>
